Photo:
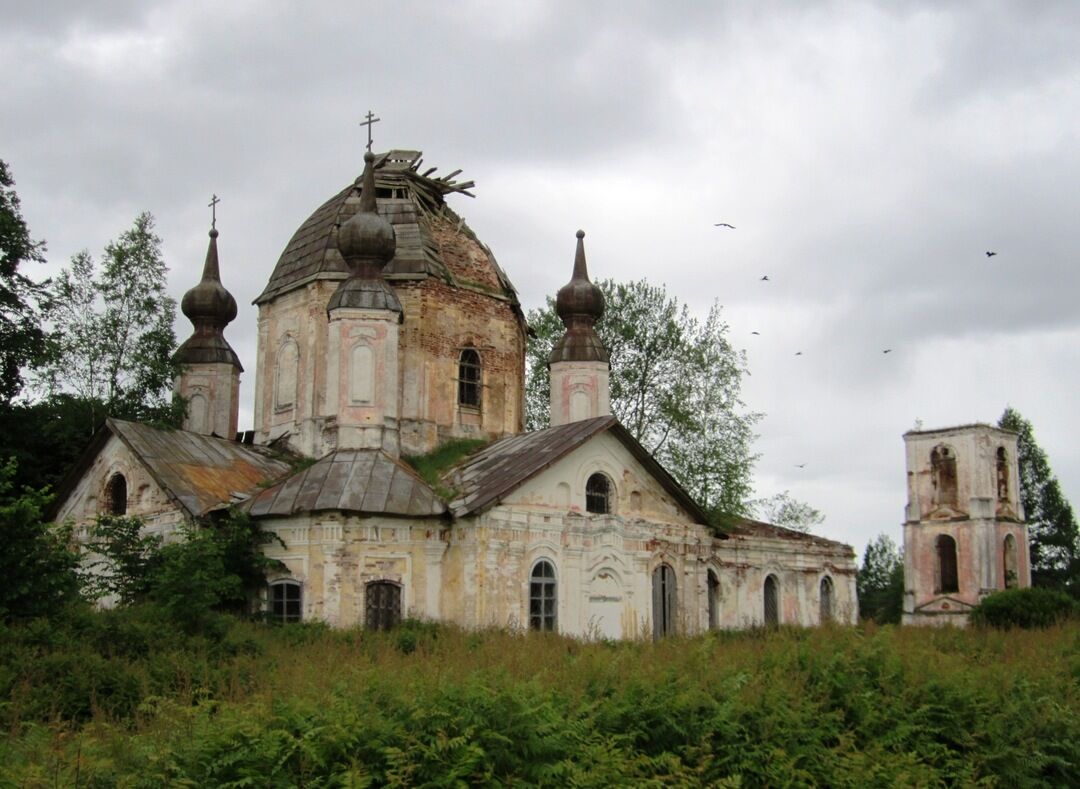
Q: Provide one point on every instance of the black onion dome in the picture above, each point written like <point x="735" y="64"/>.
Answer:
<point x="209" y="301"/>
<point x="366" y="237"/>
<point x="580" y="304"/>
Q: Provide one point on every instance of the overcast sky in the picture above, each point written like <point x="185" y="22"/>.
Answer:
<point x="867" y="154"/>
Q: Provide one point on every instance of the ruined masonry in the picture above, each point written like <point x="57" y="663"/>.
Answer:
<point x="387" y="329"/>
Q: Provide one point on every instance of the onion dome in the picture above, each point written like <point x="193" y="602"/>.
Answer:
<point x="210" y="308"/>
<point x="366" y="242"/>
<point x="579" y="304"/>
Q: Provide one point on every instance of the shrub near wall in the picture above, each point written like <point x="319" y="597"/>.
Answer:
<point x="1024" y="608"/>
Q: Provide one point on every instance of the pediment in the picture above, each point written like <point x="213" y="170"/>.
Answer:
<point x="944" y="605"/>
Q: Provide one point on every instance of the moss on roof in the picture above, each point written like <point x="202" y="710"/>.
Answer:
<point x="438" y="461"/>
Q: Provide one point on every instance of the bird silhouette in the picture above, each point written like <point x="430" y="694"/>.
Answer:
<point x="756" y="332"/>
<point x="723" y="224"/>
<point x="887" y="350"/>
<point x="800" y="465"/>
<point x="765" y="278"/>
<point x="798" y="353"/>
<point x="990" y="254"/>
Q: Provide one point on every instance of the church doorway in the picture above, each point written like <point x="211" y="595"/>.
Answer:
<point x="663" y="600"/>
<point x="382" y="601"/>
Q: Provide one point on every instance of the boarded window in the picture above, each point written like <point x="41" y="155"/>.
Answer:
<point x="382" y="603"/>
<point x="1012" y="579"/>
<point x="947" y="580"/>
<point x="943" y="475"/>
<point x="542" y="597"/>
<point x="713" y="584"/>
<point x="116" y="494"/>
<point x="826" y="599"/>
<point x="772" y="602"/>
<point x="285" y="601"/>
<point x="361" y="375"/>
<point x="598" y="489"/>
<point x="469" y="378"/>
<point x="663" y="600"/>
<point x="1002" y="475"/>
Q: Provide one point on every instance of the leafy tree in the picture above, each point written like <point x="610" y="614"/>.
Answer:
<point x="112" y="338"/>
<point x="785" y="510"/>
<point x="37" y="564"/>
<point x="880" y="581"/>
<point x="122" y="559"/>
<point x="1052" y="527"/>
<point x="675" y="385"/>
<point x="20" y="324"/>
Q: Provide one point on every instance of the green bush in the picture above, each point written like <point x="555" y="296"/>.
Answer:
<point x="1024" y="608"/>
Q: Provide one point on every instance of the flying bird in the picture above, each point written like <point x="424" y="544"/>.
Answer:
<point x="765" y="278"/>
<point x="723" y="224"/>
<point x="798" y="353"/>
<point x="756" y="332"/>
<point x="887" y="350"/>
<point x="800" y="465"/>
<point x="990" y="254"/>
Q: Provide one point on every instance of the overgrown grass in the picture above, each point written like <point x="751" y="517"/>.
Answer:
<point x="437" y="462"/>
<point x="427" y="705"/>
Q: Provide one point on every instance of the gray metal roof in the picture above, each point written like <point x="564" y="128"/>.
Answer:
<point x="368" y="481"/>
<point x="430" y="237"/>
<point x="752" y="528"/>
<point x="201" y="473"/>
<point x="484" y="478"/>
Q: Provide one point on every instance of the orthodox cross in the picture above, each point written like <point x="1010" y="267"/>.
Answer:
<point x="213" y="211"/>
<point x="370" y="120"/>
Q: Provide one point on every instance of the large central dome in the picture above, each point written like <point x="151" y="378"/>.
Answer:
<point x="432" y="240"/>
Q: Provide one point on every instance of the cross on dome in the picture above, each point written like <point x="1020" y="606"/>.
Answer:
<point x="371" y="119"/>
<point x="212" y="205"/>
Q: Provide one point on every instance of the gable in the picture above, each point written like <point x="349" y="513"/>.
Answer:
<point x="637" y="491"/>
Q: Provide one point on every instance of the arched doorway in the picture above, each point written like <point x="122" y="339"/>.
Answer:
<point x="664" y="601"/>
<point x="772" y="602"/>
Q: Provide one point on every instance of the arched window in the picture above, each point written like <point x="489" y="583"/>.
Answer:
<point x="598" y="494"/>
<point x="116" y="494"/>
<point x="469" y="378"/>
<point x="772" y="602"/>
<point x="943" y="475"/>
<point x="285" y="377"/>
<point x="826" y="599"/>
<point x="542" y="597"/>
<point x="285" y="601"/>
<point x="382" y="603"/>
<point x="1002" y="475"/>
<point x="663" y="600"/>
<point x="1012" y="579"/>
<point x="713" y="584"/>
<point x="947" y="580"/>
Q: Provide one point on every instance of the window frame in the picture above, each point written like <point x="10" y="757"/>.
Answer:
<point x="944" y="564"/>
<point x="544" y="597"/>
<point x="116" y="505"/>
<point x="826" y="599"/>
<point x="771" y="613"/>
<point x="284" y="617"/>
<point x="470" y="379"/>
<point x="608" y="495"/>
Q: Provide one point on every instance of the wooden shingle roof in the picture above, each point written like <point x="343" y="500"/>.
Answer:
<point x="359" y="481"/>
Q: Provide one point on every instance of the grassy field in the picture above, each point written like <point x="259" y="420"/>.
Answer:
<point x="112" y="700"/>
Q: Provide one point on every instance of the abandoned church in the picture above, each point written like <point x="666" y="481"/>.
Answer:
<point x="386" y="330"/>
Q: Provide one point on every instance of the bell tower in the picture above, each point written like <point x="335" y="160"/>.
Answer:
<point x="964" y="530"/>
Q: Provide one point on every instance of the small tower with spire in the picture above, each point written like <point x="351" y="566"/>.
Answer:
<point x="363" y="387"/>
<point x="210" y="369"/>
<point x="579" y="363"/>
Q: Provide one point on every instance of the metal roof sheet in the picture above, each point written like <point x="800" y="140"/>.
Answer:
<point x="366" y="480"/>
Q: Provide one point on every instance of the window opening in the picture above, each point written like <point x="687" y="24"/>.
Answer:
<point x="542" y="597"/>
<point x="1002" y="475"/>
<point x="772" y="603"/>
<point x="1012" y="579"/>
<point x="943" y="475"/>
<point x="714" y="600"/>
<point x="117" y="495"/>
<point x="664" y="606"/>
<point x="946" y="556"/>
<point x="826" y="599"/>
<point x="598" y="494"/>
<point x="285" y="602"/>
<point x="469" y="378"/>
<point x="382" y="601"/>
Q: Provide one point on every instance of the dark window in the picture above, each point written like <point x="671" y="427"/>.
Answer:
<point x="117" y="495"/>
<point x="598" y="494"/>
<point x="714" y="600"/>
<point x="772" y="602"/>
<point x="943" y="474"/>
<point x="826" y="599"/>
<point x="1002" y="475"/>
<point x="946" y="559"/>
<point x="1012" y="580"/>
<point x="285" y="601"/>
<point x="542" y="597"/>
<point x="469" y="378"/>
<point x="663" y="601"/>
<point x="382" y="601"/>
